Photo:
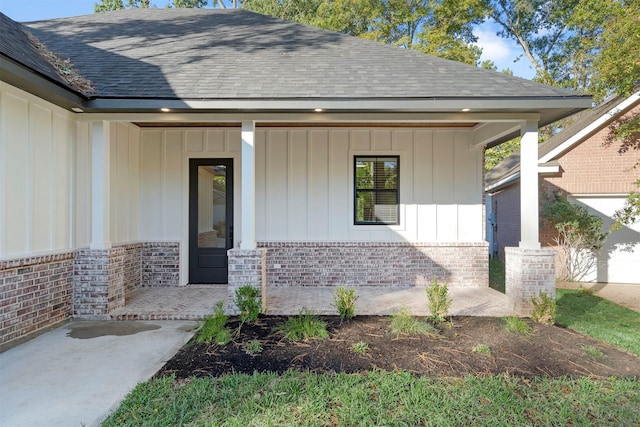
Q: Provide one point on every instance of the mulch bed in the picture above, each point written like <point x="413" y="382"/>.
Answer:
<point x="549" y="350"/>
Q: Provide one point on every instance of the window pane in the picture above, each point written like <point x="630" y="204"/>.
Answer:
<point x="376" y="190"/>
<point x="212" y="203"/>
<point x="364" y="173"/>
<point x="364" y="206"/>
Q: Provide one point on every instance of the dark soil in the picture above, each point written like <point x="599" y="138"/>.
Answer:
<point x="549" y="350"/>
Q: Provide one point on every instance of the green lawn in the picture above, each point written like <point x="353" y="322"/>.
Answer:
<point x="379" y="398"/>
<point x="599" y="318"/>
<point x="402" y="399"/>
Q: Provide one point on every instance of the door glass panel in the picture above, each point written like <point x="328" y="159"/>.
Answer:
<point x="212" y="208"/>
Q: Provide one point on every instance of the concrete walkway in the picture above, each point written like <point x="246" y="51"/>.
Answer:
<point x="622" y="294"/>
<point x="387" y="300"/>
<point x="77" y="374"/>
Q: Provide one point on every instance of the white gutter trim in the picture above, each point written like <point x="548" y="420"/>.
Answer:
<point x="503" y="182"/>
<point x="601" y="121"/>
<point x="542" y="170"/>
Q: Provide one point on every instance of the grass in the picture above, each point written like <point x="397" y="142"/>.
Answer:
<point x="593" y="352"/>
<point x="253" y="347"/>
<point x="601" y="319"/>
<point x="360" y="347"/>
<point x="379" y="398"/>
<point x="403" y="323"/>
<point x="481" y="349"/>
<point x="303" y="327"/>
<point x="516" y="325"/>
<point x="213" y="329"/>
<point x="496" y="274"/>
<point x="588" y="314"/>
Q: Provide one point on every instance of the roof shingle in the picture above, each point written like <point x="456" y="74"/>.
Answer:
<point x="236" y="54"/>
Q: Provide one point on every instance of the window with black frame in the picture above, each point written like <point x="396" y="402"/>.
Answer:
<point x="377" y="197"/>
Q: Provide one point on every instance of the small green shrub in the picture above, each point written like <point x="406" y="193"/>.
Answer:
<point x="360" y="347"/>
<point x="403" y="323"/>
<point x="253" y="347"/>
<point x="248" y="302"/>
<point x="345" y="301"/>
<point x="544" y="309"/>
<point x="213" y="328"/>
<point x="517" y="325"/>
<point x="438" y="300"/>
<point x="303" y="327"/>
<point x="481" y="349"/>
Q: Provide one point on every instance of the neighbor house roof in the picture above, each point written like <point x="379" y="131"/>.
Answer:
<point x="206" y="58"/>
<point x="586" y="124"/>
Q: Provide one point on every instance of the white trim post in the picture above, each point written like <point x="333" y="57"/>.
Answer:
<point x="248" y="186"/>
<point x="529" y="228"/>
<point x="100" y="185"/>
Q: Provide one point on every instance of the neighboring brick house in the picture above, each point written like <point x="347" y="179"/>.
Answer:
<point x="578" y="164"/>
<point x="224" y="146"/>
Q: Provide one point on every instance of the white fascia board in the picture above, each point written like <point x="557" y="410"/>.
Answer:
<point x="486" y="132"/>
<point x="348" y="104"/>
<point x="595" y="125"/>
<point x="544" y="169"/>
<point x="310" y="117"/>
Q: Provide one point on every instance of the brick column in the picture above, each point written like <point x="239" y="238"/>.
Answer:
<point x="98" y="283"/>
<point x="246" y="267"/>
<point x="529" y="272"/>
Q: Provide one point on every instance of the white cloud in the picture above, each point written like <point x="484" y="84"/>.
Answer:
<point x="493" y="47"/>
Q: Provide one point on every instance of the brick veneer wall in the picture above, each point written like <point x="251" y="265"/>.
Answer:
<point x="160" y="264"/>
<point x="35" y="293"/>
<point x="99" y="282"/>
<point x="247" y="267"/>
<point x="132" y="267"/>
<point x="375" y="263"/>
<point x="527" y="273"/>
<point x="592" y="168"/>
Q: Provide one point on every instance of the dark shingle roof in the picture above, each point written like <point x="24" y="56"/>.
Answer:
<point x="15" y="44"/>
<point x="511" y="165"/>
<point x="236" y="54"/>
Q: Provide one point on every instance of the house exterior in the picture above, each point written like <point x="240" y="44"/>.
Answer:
<point x="579" y="165"/>
<point x="212" y="146"/>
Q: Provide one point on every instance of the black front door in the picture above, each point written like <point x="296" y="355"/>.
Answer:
<point x="210" y="219"/>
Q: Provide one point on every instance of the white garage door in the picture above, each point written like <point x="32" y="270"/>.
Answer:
<point x="619" y="259"/>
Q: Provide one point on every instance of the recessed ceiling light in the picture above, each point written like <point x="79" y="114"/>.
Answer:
<point x="77" y="110"/>
<point x="466" y="109"/>
<point x="165" y="110"/>
<point x="318" y="110"/>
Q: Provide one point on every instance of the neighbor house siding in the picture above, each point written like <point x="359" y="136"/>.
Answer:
<point x="593" y="168"/>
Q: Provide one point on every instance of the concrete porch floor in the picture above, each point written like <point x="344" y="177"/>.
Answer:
<point x="193" y="302"/>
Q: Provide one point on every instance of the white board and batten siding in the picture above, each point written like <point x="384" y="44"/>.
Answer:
<point x="304" y="182"/>
<point x="37" y="143"/>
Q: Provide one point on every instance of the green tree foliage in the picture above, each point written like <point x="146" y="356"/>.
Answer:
<point x="494" y="155"/>
<point x="438" y="27"/>
<point x="109" y="5"/>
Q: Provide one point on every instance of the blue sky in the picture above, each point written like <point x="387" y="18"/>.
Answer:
<point x="500" y="51"/>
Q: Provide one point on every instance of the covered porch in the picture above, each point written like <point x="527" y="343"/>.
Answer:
<point x="194" y="302"/>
